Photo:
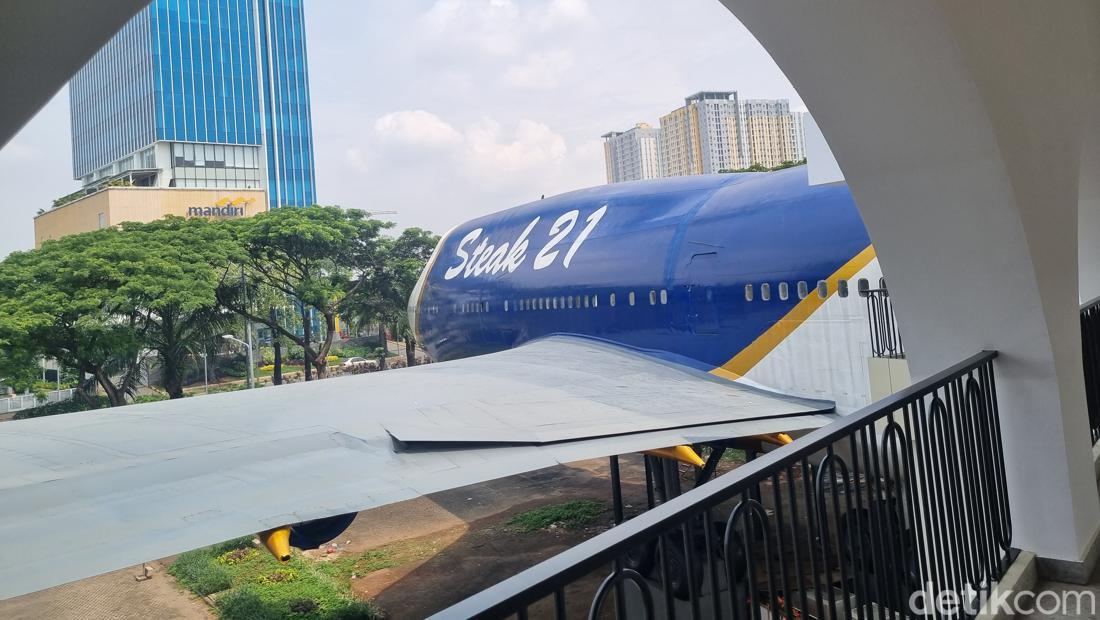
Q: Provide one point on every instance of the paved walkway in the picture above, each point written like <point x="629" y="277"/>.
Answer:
<point x="112" y="596"/>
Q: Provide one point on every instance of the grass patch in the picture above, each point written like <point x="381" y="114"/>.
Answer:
<point x="570" y="514"/>
<point x="254" y="586"/>
<point x="733" y="455"/>
<point x="343" y="569"/>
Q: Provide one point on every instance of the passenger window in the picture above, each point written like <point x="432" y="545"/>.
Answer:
<point x="553" y="303"/>
<point x="842" y="288"/>
<point x="596" y="301"/>
<point x="577" y="301"/>
<point x="863" y="286"/>
<point x="748" y="292"/>
<point x="569" y="302"/>
<point x="506" y="305"/>
<point x="486" y="306"/>
<point x="766" y="291"/>
<point x="630" y="298"/>
<point x="612" y="300"/>
<point x="652" y="298"/>
<point x="822" y="289"/>
<point x="803" y="289"/>
<point x="664" y="297"/>
<point x="784" y="291"/>
<point x="586" y="301"/>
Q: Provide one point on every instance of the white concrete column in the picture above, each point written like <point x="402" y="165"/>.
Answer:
<point x="957" y="126"/>
<point x="1088" y="213"/>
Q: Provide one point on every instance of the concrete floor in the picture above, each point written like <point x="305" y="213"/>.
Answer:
<point x="1090" y="600"/>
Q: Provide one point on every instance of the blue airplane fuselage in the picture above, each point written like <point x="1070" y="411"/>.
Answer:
<point x="658" y="265"/>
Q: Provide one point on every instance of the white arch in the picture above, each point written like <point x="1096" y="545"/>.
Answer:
<point x="957" y="125"/>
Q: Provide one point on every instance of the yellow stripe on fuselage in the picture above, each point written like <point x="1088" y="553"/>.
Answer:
<point x="751" y="355"/>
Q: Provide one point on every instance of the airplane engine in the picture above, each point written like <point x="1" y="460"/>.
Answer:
<point x="313" y="534"/>
<point x="305" y="535"/>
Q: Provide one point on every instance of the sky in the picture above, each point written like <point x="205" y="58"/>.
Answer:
<point x="444" y="110"/>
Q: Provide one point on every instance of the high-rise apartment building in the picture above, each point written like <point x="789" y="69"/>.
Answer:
<point x="716" y="130"/>
<point x="701" y="136"/>
<point x="632" y="155"/>
<point x="200" y="94"/>
<point x="772" y="134"/>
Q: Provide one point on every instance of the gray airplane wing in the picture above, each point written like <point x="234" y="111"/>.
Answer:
<point x="85" y="493"/>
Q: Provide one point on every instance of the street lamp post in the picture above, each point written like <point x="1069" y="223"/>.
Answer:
<point x="248" y="347"/>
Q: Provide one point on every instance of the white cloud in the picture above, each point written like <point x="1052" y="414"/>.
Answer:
<point x="484" y="150"/>
<point x="541" y="70"/>
<point x="533" y="146"/>
<point x="357" y="159"/>
<point x="17" y="152"/>
<point x="488" y="25"/>
<point x="500" y="27"/>
<point x="567" y="11"/>
<point x="418" y="128"/>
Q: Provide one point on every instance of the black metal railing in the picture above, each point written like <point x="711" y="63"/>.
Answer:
<point x="855" y="519"/>
<point x="885" y="337"/>
<point x="1090" y="353"/>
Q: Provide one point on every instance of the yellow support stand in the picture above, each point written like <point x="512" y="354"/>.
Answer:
<point x="683" y="454"/>
<point x="277" y="542"/>
<point x="778" y="439"/>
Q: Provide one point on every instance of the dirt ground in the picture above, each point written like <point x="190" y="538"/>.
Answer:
<point x="114" y="596"/>
<point x="461" y="542"/>
<point x="473" y="549"/>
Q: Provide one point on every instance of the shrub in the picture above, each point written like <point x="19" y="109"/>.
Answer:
<point x="69" y="406"/>
<point x="199" y="573"/>
<point x="237" y="556"/>
<point x="245" y="603"/>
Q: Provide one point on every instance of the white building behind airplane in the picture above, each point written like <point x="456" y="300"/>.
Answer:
<point x="632" y="155"/>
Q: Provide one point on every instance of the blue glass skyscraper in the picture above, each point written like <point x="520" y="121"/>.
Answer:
<point x="200" y="93"/>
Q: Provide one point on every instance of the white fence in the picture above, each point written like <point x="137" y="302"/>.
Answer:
<point x="26" y="401"/>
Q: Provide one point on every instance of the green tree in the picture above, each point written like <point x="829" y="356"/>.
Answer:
<point x="69" y="301"/>
<point x="176" y="292"/>
<point x="385" y="299"/>
<point x="316" y="256"/>
<point x="19" y="369"/>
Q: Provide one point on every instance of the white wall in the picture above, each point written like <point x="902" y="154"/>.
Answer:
<point x="957" y="126"/>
